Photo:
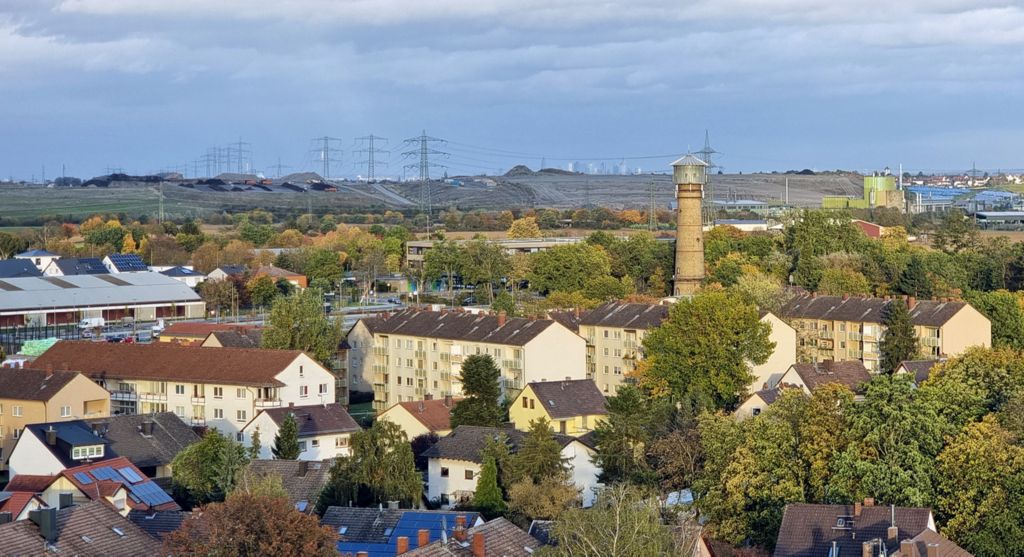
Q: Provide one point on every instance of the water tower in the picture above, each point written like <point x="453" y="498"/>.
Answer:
<point x="689" y="175"/>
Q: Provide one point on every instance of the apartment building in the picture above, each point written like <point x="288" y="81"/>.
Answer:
<point x="416" y="250"/>
<point x="32" y="396"/>
<point x="614" y="333"/>
<point x="414" y="353"/>
<point x="216" y="387"/>
<point x="851" y="327"/>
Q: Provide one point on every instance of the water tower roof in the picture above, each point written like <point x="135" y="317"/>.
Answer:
<point x="689" y="160"/>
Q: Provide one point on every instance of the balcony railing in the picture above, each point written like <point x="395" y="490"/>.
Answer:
<point x="153" y="397"/>
<point x="824" y="333"/>
<point x="199" y="421"/>
<point x="512" y="364"/>
<point x="930" y="341"/>
<point x="380" y="350"/>
<point x="420" y="354"/>
<point x="421" y="372"/>
<point x="199" y="399"/>
<point x="124" y="395"/>
<point x="267" y="403"/>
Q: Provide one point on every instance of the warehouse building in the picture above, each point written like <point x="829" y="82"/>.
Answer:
<point x="143" y="296"/>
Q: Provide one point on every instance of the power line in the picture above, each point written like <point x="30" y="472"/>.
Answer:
<point x="242" y="151"/>
<point x="420" y="147"/>
<point x="325" y="151"/>
<point x="371" y="153"/>
<point x="279" y="166"/>
<point x="707" y="154"/>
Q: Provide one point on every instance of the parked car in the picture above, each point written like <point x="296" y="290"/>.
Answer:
<point x="92" y="323"/>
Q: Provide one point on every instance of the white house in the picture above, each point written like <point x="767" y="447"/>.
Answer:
<point x="216" y="387"/>
<point x="125" y="263"/>
<point x="324" y="430"/>
<point x="38" y="257"/>
<point x="454" y="462"/>
<point x="187" y="275"/>
<point x="784" y="355"/>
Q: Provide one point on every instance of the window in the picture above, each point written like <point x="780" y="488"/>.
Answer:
<point x="618" y="352"/>
<point x="469" y="474"/>
<point x="584" y="422"/>
<point x="240" y="393"/>
<point x="408" y="381"/>
<point x="323" y="388"/>
<point x="240" y="416"/>
<point x="434" y="347"/>
<point x="444" y="472"/>
<point x="302" y="446"/>
<point x="1" y="409"/>
<point x="16" y="433"/>
<point x="179" y="411"/>
<point x="399" y="380"/>
<point x="315" y="443"/>
<point x="531" y="404"/>
<point x="526" y="402"/>
<point x="756" y="412"/>
<point x="240" y="437"/>
<point x="340" y="442"/>
<point x="65" y="411"/>
<point x="90" y="451"/>
<point x="218" y="392"/>
<point x="16" y="411"/>
<point x="218" y="413"/>
<point x="408" y="362"/>
<point x="618" y="370"/>
<point x="179" y="389"/>
<point x="301" y="372"/>
<point x="562" y="427"/>
<point x="606" y="351"/>
<point x="303" y="391"/>
<point x="606" y="334"/>
<point x="606" y="369"/>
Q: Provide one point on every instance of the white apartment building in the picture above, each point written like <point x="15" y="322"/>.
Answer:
<point x="324" y="430"/>
<point x="415" y="353"/>
<point x="217" y="387"/>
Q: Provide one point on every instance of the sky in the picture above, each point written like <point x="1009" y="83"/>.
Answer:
<point x="151" y="85"/>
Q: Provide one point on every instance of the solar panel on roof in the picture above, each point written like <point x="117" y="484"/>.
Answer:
<point x="129" y="474"/>
<point x="106" y="473"/>
<point x="126" y="262"/>
<point x="8" y="287"/>
<point x="151" y="494"/>
<point x="83" y="478"/>
<point x="113" y="280"/>
<point x="58" y="282"/>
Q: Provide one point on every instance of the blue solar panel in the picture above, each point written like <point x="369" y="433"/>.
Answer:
<point x="129" y="475"/>
<point x="127" y="262"/>
<point x="151" y="494"/>
<point x="106" y="473"/>
<point x="83" y="478"/>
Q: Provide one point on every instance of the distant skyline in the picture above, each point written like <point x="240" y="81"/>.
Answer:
<point x="149" y="85"/>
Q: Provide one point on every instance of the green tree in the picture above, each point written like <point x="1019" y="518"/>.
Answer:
<point x="480" y="405"/>
<point x="979" y="381"/>
<point x="255" y="444"/>
<point x="298" y="322"/>
<point x="262" y="290"/>
<point x="504" y="302"/>
<point x="836" y="282"/>
<point x="634" y="422"/>
<point x="205" y="471"/>
<point x="1005" y="312"/>
<point x="567" y="268"/>
<point x="899" y="341"/>
<point x="257" y="234"/>
<point x="604" y="288"/>
<point x="323" y="267"/>
<point x="914" y="281"/>
<point x="543" y="500"/>
<point x="485" y="263"/>
<point x="488" y="498"/>
<point x="11" y="245"/>
<point x="525" y="227"/>
<point x="218" y="294"/>
<point x="956" y="233"/>
<point x="539" y="455"/>
<point x="711" y="369"/>
<point x="444" y="260"/>
<point x="286" y="442"/>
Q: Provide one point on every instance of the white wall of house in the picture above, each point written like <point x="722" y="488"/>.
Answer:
<point x="583" y="469"/>
<point x="32" y="456"/>
<point x="555" y="354"/>
<point x="314" y="447"/>
<point x="783" y="356"/>
<point x="965" y="329"/>
<point x="751" y="407"/>
<point x="412" y="427"/>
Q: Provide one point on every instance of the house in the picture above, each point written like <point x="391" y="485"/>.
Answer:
<point x="420" y="417"/>
<point x="783" y="355"/>
<point x="117" y="263"/>
<point x="860" y="529"/>
<point x="809" y="376"/>
<point x="237" y="337"/>
<point x="225" y="272"/>
<point x="196" y="332"/>
<point x="380" y="532"/>
<point x="494" y="537"/>
<point x="614" y="333"/>
<point x="415" y="353"/>
<point x="91" y="528"/>
<point x="324" y="430"/>
<point x="921" y="370"/>
<point x="757" y="403"/>
<point x="18" y="268"/>
<point x="116" y="481"/>
<point x="18" y="504"/>
<point x="278" y="274"/>
<point x="40" y="258"/>
<point x="706" y="546"/>
<point x="71" y="266"/>
<point x="870" y="229"/>
<point x="302" y="479"/>
<point x="572" y="407"/>
<point x="453" y="463"/>
<point x="31" y="396"/>
<point x="215" y="387"/>
<point x="185" y="274"/>
<point x="851" y="327"/>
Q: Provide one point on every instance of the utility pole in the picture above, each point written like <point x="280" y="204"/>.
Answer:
<point x="652" y="219"/>
<point x="325" y="151"/>
<point x="210" y="161"/>
<point x="420" y="147"/>
<point x="706" y="154"/>
<point x="371" y="153"/>
<point x="160" y="211"/>
<point x="279" y="166"/>
<point x="242" y="150"/>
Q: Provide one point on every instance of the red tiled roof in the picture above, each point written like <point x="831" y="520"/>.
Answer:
<point x="200" y="329"/>
<point x="29" y="483"/>
<point x="16" y="503"/>
<point x="433" y="414"/>
<point x="101" y="487"/>
<point x="165" y="361"/>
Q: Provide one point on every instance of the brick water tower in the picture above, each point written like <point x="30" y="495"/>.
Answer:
<point x="689" y="174"/>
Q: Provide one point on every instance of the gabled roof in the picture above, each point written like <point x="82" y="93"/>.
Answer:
<point x="167" y="361"/>
<point x="275" y="272"/>
<point x="14" y="502"/>
<point x="36" y="253"/>
<point x="568" y="399"/>
<point x="944" y="547"/>
<point x="316" y="419"/>
<point x="17" y="268"/>
<point x="458" y="325"/>
<point x="29" y="483"/>
<point x="33" y="384"/>
<point x="69" y="435"/>
<point x="248" y="338"/>
<point x="180" y="271"/>
<point x="71" y="266"/>
<point x="850" y="373"/>
<point x="568" y="319"/>
<point x="102" y="479"/>
<point x="376" y="531"/>
<point x="302" y="479"/>
<point x="809" y="530"/>
<point x="127" y="262"/>
<point x="158" y="523"/>
<point x="929" y="313"/>
<point x="232" y="270"/>
<point x="435" y="414"/>
<point x="91" y="528"/>
<point x="920" y="369"/>
<point x="124" y="434"/>
<point x="200" y="329"/>
<point x="626" y="315"/>
<point x="500" y="537"/>
<point x="467" y="441"/>
<point x="769" y="396"/>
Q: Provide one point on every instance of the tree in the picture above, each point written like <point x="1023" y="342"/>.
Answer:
<point x="956" y="233"/>
<point x="485" y="263"/>
<point x="567" y="268"/>
<point x="605" y="288"/>
<point x="914" y="281"/>
<point x="251" y="525"/>
<point x="218" y="294"/>
<point x="761" y="290"/>
<point x="899" y="342"/>
<point x="836" y="282"/>
<point x="381" y="469"/>
<point x="676" y="458"/>
<point x="323" y="266"/>
<point x="255" y="444"/>
<point x="11" y="245"/>
<point x="634" y="421"/>
<point x="262" y="290"/>
<point x="539" y="455"/>
<point x="487" y="498"/>
<point x="286" y="442"/>
<point x="206" y="470"/>
<point x="543" y="500"/>
<point x="504" y="302"/>
<point x="298" y="322"/>
<point x="480" y="406"/>
<point x="623" y="522"/>
<point x="711" y="369"/>
<point x="525" y="227"/>
<point x="1005" y="312"/>
<point x="444" y="260"/>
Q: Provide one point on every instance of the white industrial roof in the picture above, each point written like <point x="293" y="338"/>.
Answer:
<point x="20" y="295"/>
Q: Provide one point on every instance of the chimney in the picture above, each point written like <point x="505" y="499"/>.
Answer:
<point x="891" y="534"/>
<point x="911" y="302"/>
<point x="856" y="509"/>
<point x="303" y="469"/>
<point x="479" y="545"/>
<point x="869" y="501"/>
<point x="907" y="548"/>
<point x="932" y="550"/>
<point x="46" y="520"/>
<point x="402" y="546"/>
<point x="502" y="316"/>
<point x="867" y="549"/>
<point x="448" y="400"/>
<point x="147" y="428"/>
<point x="460" y="528"/>
<point x="5" y="517"/>
<point x="422" y="537"/>
<point x="65" y="500"/>
<point x="51" y="436"/>
<point x="393" y="505"/>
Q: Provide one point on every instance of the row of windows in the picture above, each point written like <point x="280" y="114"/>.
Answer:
<point x="445" y="473"/>
<point x="91" y="451"/>
<point x="497" y="352"/>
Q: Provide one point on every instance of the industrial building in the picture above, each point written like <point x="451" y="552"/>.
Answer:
<point x="143" y="296"/>
<point x="880" y="190"/>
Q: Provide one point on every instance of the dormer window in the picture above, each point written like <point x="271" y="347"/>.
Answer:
<point x="89" y="451"/>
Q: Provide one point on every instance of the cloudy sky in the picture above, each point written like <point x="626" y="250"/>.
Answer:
<point x="147" y="85"/>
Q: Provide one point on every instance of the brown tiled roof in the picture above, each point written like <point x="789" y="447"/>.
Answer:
<point x="435" y="415"/>
<point x="458" y="325"/>
<point x="568" y="319"/>
<point x="851" y="373"/>
<point x="567" y="399"/>
<point x="809" y="530"/>
<point x="201" y="329"/>
<point x="930" y="313"/>
<point x="166" y="361"/>
<point x="124" y="433"/>
<point x="920" y="369"/>
<point x="274" y="272"/>
<point x="302" y="480"/>
<point x="501" y="537"/>
<point x="944" y="547"/>
<point x="30" y="483"/>
<point x="467" y="441"/>
<point x="769" y="396"/>
<point x="251" y="338"/>
<point x="15" y="502"/>
<point x="626" y="315"/>
<point x="316" y="419"/>
<point x="91" y="528"/>
<point x="32" y="384"/>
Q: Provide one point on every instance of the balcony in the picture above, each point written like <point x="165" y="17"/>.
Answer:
<point x="267" y="403"/>
<point x="421" y="372"/>
<point x="153" y="397"/>
<point x="378" y="368"/>
<point x="421" y="354"/>
<point x="930" y="341"/>
<point x="512" y="364"/>
<point x="824" y="333"/>
<point x="123" y="395"/>
<point x="199" y="399"/>
<point x="853" y="335"/>
<point x="380" y="350"/>
<point x="199" y="421"/>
